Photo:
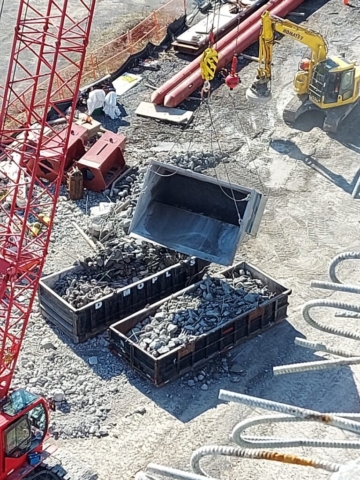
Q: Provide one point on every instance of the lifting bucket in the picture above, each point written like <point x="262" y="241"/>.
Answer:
<point x="195" y="214"/>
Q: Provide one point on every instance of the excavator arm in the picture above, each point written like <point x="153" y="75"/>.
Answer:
<point x="270" y="25"/>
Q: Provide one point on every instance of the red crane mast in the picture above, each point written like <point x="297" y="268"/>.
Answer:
<point x="45" y="67"/>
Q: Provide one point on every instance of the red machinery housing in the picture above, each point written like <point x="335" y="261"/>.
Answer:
<point x="46" y="63"/>
<point x="50" y="167"/>
<point x="103" y="162"/>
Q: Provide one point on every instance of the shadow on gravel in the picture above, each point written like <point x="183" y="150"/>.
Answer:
<point x="346" y="135"/>
<point x="245" y="369"/>
<point x="327" y="391"/>
<point x="321" y="390"/>
<point x="288" y="147"/>
<point x="113" y="125"/>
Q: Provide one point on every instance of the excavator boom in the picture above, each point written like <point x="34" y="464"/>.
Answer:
<point x="330" y="85"/>
<point x="271" y="24"/>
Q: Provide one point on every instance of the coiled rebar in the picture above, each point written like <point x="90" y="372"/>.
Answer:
<point x="289" y="413"/>
<point x="215" y="450"/>
<point x="327" y="328"/>
<point x="337" y="260"/>
<point x="303" y="414"/>
<point x="348" y="310"/>
<point x="238" y="437"/>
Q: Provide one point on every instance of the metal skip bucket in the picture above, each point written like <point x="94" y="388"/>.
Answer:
<point x="195" y="214"/>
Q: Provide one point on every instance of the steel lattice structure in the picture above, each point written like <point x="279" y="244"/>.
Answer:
<point x="46" y="64"/>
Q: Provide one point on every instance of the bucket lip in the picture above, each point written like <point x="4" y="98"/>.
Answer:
<point x="190" y="251"/>
<point x="199" y="176"/>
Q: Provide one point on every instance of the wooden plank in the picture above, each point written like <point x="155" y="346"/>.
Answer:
<point x="125" y="82"/>
<point x="173" y="115"/>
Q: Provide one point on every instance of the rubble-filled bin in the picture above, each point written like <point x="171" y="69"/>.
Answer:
<point x="186" y="330"/>
<point x="84" y="322"/>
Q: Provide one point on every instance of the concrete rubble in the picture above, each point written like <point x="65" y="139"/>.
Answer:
<point x="121" y="259"/>
<point x="121" y="263"/>
<point x="181" y="319"/>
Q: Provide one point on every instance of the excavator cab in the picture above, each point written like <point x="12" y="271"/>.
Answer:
<point x="333" y="89"/>
<point x="24" y="421"/>
<point x="333" y="83"/>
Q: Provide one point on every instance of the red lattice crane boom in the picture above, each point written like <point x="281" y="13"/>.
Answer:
<point x="46" y="63"/>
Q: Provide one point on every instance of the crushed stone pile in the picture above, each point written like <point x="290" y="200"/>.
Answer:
<point x="124" y="261"/>
<point x="182" y="319"/>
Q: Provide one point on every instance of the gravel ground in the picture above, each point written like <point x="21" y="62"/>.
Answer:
<point x="117" y="422"/>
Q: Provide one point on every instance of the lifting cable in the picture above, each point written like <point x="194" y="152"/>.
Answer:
<point x="177" y="142"/>
<point x="232" y="197"/>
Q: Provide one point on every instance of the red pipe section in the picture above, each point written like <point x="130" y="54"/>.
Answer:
<point x="236" y="41"/>
<point x="247" y="34"/>
<point x="158" y="96"/>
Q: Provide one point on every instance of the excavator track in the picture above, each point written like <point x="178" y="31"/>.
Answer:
<point x="296" y="106"/>
<point x="41" y="473"/>
<point x="62" y="465"/>
<point x="334" y="117"/>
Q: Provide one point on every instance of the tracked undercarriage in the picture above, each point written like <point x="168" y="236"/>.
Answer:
<point x="62" y="465"/>
<point x="301" y="104"/>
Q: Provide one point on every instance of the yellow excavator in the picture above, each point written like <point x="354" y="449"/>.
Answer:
<point x="327" y="84"/>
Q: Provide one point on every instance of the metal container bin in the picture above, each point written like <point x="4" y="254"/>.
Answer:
<point x="86" y="322"/>
<point x="177" y="362"/>
<point x="195" y="214"/>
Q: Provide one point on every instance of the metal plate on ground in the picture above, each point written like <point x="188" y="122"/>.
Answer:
<point x="173" y="115"/>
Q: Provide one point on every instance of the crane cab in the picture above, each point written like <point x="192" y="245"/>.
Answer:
<point x="334" y="82"/>
<point x="24" y="421"/>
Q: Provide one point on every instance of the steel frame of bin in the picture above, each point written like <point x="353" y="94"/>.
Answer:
<point x="187" y="358"/>
<point x="90" y="320"/>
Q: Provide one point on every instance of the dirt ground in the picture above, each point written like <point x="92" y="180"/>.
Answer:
<point x="310" y="217"/>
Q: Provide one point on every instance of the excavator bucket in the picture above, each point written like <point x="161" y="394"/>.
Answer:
<point x="195" y="214"/>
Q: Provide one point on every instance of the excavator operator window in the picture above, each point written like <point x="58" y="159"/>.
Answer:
<point x="347" y="84"/>
<point x="18" y="438"/>
<point x="332" y="88"/>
